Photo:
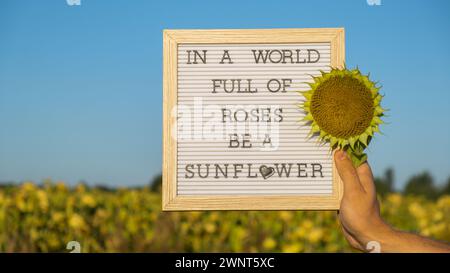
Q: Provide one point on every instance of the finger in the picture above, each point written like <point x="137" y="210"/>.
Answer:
<point x="348" y="173"/>
<point x="366" y="178"/>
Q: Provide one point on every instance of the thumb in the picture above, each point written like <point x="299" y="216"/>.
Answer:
<point x="348" y="173"/>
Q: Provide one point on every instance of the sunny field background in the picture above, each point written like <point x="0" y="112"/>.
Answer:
<point x="44" y="217"/>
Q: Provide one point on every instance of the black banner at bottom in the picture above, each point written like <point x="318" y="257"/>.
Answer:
<point x="217" y="262"/>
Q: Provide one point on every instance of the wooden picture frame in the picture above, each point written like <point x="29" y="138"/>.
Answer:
<point x="171" y="40"/>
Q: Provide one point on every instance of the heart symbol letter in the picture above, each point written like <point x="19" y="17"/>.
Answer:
<point x="266" y="172"/>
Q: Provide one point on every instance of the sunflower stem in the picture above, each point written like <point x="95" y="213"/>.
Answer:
<point x="357" y="156"/>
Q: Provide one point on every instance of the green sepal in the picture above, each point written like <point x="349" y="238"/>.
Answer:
<point x="357" y="156"/>
<point x="352" y="141"/>
<point x="315" y="128"/>
<point x="379" y="110"/>
<point x="377" y="120"/>
<point x="363" y="138"/>
<point x="333" y="141"/>
<point x="308" y="117"/>
<point x="358" y="160"/>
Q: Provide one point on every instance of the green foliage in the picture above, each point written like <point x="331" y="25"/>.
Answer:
<point x="446" y="188"/>
<point x="385" y="184"/>
<point x="156" y="183"/>
<point x="421" y="184"/>
<point x="45" y="218"/>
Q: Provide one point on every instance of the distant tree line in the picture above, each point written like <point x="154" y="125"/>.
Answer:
<point x="421" y="184"/>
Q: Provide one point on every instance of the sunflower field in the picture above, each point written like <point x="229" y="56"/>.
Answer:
<point x="45" y="218"/>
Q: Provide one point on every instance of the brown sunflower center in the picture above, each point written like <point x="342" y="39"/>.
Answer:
<point x="342" y="106"/>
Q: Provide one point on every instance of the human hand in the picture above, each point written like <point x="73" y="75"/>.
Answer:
<point x="360" y="217"/>
<point x="359" y="213"/>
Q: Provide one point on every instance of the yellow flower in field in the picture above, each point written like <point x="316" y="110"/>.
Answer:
<point x="80" y="188"/>
<point x="61" y="186"/>
<point x="194" y="215"/>
<point x="292" y="248"/>
<point x="53" y="241"/>
<point x="101" y="213"/>
<point x="315" y="235"/>
<point x="444" y="202"/>
<point x="132" y="225"/>
<point x="395" y="199"/>
<point x="423" y="223"/>
<point x="132" y="221"/>
<point x="286" y="215"/>
<point x="77" y="222"/>
<point x="438" y="230"/>
<point x="210" y="227"/>
<point x="330" y="247"/>
<point x="417" y="211"/>
<point x="438" y="216"/>
<point x="88" y="200"/>
<point x="34" y="234"/>
<point x="307" y="224"/>
<point x="20" y="203"/>
<point x="57" y="217"/>
<point x="28" y="187"/>
<point x="425" y="232"/>
<point x="214" y="216"/>
<point x="197" y="244"/>
<point x="269" y="243"/>
<point x="300" y="232"/>
<point x="237" y="237"/>
<point x="43" y="199"/>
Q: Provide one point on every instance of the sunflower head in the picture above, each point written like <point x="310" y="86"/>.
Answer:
<point x="343" y="108"/>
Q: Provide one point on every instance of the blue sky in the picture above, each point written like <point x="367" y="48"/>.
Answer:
<point x="81" y="94"/>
